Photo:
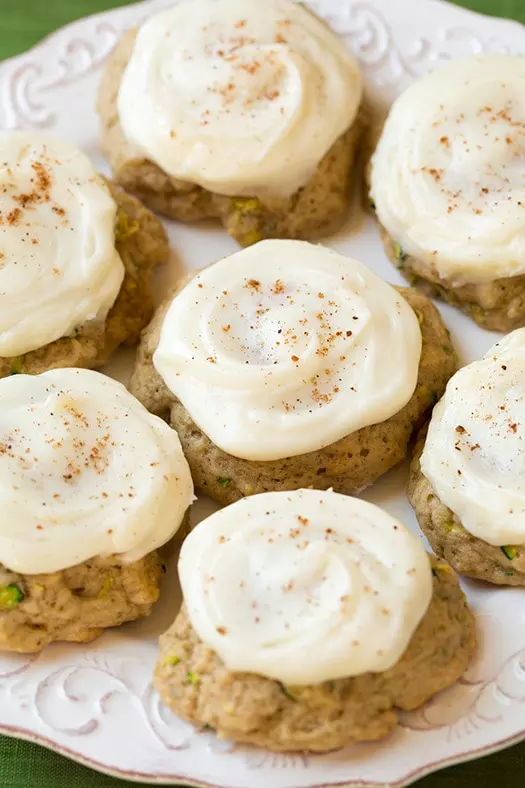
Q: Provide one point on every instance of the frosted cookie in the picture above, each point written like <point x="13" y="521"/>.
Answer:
<point x="76" y="256"/>
<point x="309" y="619"/>
<point x="447" y="186"/>
<point x="467" y="482"/>
<point x="288" y="365"/>
<point x="244" y="111"/>
<point x="91" y="485"/>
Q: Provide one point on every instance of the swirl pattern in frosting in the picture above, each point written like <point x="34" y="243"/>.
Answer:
<point x="305" y="586"/>
<point x="286" y="347"/>
<point x="447" y="177"/>
<point x="240" y="97"/>
<point x="85" y="470"/>
<point x="474" y="455"/>
<point x="58" y="264"/>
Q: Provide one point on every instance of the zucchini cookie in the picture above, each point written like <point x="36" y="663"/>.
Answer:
<point x="467" y="479"/>
<point x="76" y="257"/>
<point x="309" y="619"/>
<point x="446" y="183"/>
<point x="248" y="112"/>
<point x="92" y="485"/>
<point x="288" y="365"/>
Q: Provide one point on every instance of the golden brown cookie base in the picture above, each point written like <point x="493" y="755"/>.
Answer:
<point x="252" y="709"/>
<point x="316" y="210"/>
<point x="347" y="466"/>
<point x="78" y="604"/>
<point x="142" y="244"/>
<point x="497" y="306"/>
<point x="467" y="554"/>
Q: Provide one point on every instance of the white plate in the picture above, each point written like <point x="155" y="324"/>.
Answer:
<point x="95" y="703"/>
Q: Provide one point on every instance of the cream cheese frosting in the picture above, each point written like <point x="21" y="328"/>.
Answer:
<point x="285" y="347"/>
<point x="305" y="586"/>
<point x="474" y="455"/>
<point x="447" y="178"/>
<point x="58" y="264"/>
<point x="238" y="96"/>
<point x="85" y="470"/>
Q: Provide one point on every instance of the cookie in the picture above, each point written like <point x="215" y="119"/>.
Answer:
<point x="77" y="254"/>
<point x="448" y="191"/>
<point x="466" y="476"/>
<point x="92" y="487"/>
<point x="287" y="365"/>
<point x="310" y="619"/>
<point x="255" y="121"/>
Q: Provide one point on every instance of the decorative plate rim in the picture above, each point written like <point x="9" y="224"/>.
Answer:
<point x="48" y="37"/>
<point x="22" y="734"/>
<point x="25" y="734"/>
<point x="87" y="17"/>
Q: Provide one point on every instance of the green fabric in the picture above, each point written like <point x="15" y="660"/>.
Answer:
<point x="23" y="765"/>
<point x="24" y="22"/>
<point x="513" y="9"/>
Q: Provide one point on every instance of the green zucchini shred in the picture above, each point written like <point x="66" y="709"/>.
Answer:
<point x="108" y="584"/>
<point x="475" y="310"/>
<point x="171" y="661"/>
<point x="510" y="551"/>
<point x="224" y="482"/>
<point x="16" y="367"/>
<point x="192" y="678"/>
<point x="124" y="228"/>
<point x="251" y="238"/>
<point x="419" y="315"/>
<point x="399" y="253"/>
<point x="10" y="596"/>
<point x="249" y="205"/>
<point x="453" y="527"/>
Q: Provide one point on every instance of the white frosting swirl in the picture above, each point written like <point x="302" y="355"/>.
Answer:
<point x="447" y="176"/>
<point x="286" y="347"/>
<point x="85" y="470"/>
<point x="474" y="456"/>
<point x="58" y="263"/>
<point x="240" y="97"/>
<point x="305" y="586"/>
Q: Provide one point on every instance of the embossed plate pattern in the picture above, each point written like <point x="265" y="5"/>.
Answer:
<point x="95" y="703"/>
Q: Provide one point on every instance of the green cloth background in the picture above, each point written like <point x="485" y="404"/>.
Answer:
<point x="22" y="765"/>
